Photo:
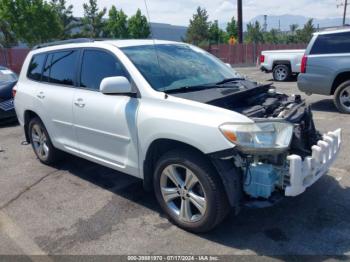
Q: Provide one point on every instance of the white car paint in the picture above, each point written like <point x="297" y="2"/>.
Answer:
<point x="292" y="56"/>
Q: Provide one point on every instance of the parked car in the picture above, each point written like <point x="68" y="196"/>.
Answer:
<point x="325" y="68"/>
<point x="8" y="80"/>
<point x="282" y="63"/>
<point x="198" y="134"/>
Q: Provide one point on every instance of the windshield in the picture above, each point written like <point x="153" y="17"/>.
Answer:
<point x="178" y="66"/>
<point x="7" y="75"/>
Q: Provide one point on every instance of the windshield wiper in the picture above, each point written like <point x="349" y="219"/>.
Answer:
<point x="189" y="88"/>
<point x="228" y="80"/>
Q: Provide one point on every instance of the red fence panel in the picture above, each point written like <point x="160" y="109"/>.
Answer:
<point x="247" y="53"/>
<point x="13" y="58"/>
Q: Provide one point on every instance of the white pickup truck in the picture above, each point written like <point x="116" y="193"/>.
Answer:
<point x="282" y="63"/>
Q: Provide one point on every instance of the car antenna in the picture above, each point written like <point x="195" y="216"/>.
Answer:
<point x="154" y="41"/>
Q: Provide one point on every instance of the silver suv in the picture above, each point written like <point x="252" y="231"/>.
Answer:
<point x="199" y="135"/>
<point x="325" y="67"/>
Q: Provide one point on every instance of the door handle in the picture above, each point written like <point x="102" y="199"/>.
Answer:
<point x="41" y="95"/>
<point x="79" y="102"/>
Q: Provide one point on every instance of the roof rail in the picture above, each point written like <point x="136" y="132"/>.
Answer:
<point x="64" y="42"/>
<point x="334" y="28"/>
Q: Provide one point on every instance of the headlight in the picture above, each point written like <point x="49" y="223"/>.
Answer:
<point x="259" y="137"/>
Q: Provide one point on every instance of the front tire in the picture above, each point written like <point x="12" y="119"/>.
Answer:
<point x="189" y="191"/>
<point x="342" y="97"/>
<point x="281" y="73"/>
<point x="41" y="143"/>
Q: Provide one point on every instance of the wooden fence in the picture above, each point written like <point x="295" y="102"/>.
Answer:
<point x="247" y="53"/>
<point x="13" y="58"/>
<point x="236" y="55"/>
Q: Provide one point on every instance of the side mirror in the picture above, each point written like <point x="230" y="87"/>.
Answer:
<point x="229" y="65"/>
<point x="116" y="85"/>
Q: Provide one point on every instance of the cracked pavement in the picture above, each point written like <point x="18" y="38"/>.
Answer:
<point x="79" y="207"/>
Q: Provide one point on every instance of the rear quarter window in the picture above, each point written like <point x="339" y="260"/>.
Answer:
<point x="36" y="66"/>
<point x="331" y="44"/>
<point x="60" y="67"/>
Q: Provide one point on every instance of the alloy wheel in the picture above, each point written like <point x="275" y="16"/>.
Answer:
<point x="281" y="74"/>
<point x="39" y="140"/>
<point x="183" y="193"/>
<point x="344" y="98"/>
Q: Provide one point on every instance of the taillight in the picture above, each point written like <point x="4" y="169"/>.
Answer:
<point x="14" y="91"/>
<point x="303" y="64"/>
<point x="262" y="59"/>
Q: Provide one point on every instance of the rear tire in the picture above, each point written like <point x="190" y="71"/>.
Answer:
<point x="205" y="195"/>
<point x="281" y="73"/>
<point x="342" y="97"/>
<point x="41" y="143"/>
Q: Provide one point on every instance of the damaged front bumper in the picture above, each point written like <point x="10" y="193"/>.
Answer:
<point x="304" y="173"/>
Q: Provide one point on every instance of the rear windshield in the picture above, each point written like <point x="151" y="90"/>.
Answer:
<point x="7" y="75"/>
<point x="332" y="44"/>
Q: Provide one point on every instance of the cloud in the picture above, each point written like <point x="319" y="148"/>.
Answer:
<point x="180" y="11"/>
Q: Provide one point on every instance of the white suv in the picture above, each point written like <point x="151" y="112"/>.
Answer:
<point x="203" y="138"/>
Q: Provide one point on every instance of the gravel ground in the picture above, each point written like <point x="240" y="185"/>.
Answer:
<point x="81" y="208"/>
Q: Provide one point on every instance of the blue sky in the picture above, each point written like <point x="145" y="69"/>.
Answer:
<point x="180" y="11"/>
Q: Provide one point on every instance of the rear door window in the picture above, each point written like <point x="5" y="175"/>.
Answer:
<point x="60" y="67"/>
<point x="332" y="44"/>
<point x="96" y="66"/>
<point x="36" y="66"/>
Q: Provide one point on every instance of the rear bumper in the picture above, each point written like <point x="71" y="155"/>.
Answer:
<point x="264" y="69"/>
<point x="314" y="84"/>
<point x="303" y="174"/>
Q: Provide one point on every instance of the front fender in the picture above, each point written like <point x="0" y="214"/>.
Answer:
<point x="193" y="123"/>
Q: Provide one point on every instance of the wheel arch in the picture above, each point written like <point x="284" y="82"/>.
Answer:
<point x="155" y="150"/>
<point x="339" y="79"/>
<point x="281" y="62"/>
<point x="29" y="115"/>
<point x="225" y="169"/>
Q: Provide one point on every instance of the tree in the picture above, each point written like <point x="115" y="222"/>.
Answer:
<point x="7" y="37"/>
<point x="138" y="26"/>
<point x="304" y="35"/>
<point x="66" y="18"/>
<point x="272" y="37"/>
<point x="216" y="35"/>
<point x="93" y="24"/>
<point x="293" y="28"/>
<point x="198" y="30"/>
<point x="232" y="29"/>
<point x="117" y="24"/>
<point x="291" y="37"/>
<point x="254" y="33"/>
<point x="31" y="21"/>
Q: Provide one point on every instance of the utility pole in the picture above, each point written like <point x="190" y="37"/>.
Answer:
<point x="240" y="21"/>
<point x="345" y="4"/>
<point x="344" y="16"/>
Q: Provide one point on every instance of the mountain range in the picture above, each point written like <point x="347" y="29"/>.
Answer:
<point x="286" y="20"/>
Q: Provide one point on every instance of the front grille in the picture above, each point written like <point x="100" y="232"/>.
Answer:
<point x="7" y="105"/>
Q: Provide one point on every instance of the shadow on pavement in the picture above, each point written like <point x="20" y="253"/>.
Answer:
<point x="315" y="223"/>
<point x="325" y="105"/>
<point x="8" y="122"/>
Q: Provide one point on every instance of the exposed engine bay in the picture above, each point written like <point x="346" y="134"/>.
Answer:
<point x="264" y="174"/>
